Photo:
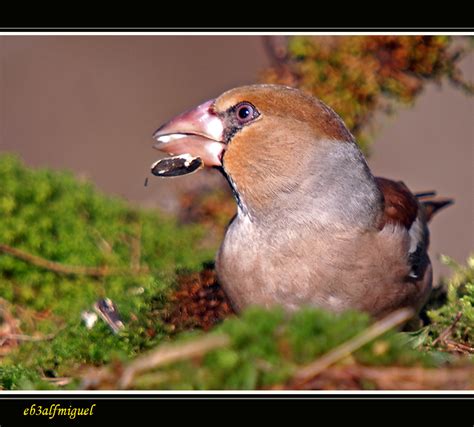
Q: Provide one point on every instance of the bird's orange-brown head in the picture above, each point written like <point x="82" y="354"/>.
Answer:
<point x="262" y="136"/>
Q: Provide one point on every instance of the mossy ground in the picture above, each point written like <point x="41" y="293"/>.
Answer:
<point x="53" y="215"/>
<point x="42" y="338"/>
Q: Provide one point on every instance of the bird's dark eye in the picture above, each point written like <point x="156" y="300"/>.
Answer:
<point x="245" y="112"/>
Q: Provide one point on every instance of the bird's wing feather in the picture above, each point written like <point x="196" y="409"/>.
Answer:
<point x="400" y="205"/>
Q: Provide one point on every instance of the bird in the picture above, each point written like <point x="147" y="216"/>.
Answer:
<point x="314" y="227"/>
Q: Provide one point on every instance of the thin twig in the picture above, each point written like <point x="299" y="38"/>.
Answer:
<point x="59" y="268"/>
<point x="21" y="337"/>
<point x="169" y="353"/>
<point x="460" y="347"/>
<point x="59" y="381"/>
<point x="394" y="319"/>
<point x="447" y="332"/>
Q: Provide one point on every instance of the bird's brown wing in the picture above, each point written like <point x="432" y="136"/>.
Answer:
<point x="400" y="205"/>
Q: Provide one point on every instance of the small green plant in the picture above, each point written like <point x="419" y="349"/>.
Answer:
<point x="456" y="316"/>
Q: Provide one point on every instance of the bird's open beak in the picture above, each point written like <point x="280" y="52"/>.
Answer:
<point x="198" y="132"/>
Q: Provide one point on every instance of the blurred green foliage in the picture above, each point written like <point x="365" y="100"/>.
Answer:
<point x="16" y="377"/>
<point x="55" y="216"/>
<point x="460" y="301"/>
<point x="361" y="75"/>
<point x="267" y="347"/>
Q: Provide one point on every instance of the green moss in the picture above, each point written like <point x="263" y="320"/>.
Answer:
<point x="55" y="216"/>
<point x="460" y="301"/>
<point x="267" y="347"/>
<point x="20" y="378"/>
<point x="359" y="76"/>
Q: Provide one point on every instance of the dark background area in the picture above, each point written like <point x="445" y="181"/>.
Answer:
<point x="91" y="103"/>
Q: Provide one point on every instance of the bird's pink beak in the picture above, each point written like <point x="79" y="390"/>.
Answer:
<point x="198" y="132"/>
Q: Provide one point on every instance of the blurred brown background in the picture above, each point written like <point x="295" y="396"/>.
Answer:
<point x="91" y="103"/>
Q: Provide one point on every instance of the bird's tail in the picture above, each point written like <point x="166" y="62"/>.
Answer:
<point x="431" y="204"/>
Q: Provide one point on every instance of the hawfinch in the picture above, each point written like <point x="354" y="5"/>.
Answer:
<point x="313" y="226"/>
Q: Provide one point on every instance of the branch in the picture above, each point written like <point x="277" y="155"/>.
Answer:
<point x="22" y="337"/>
<point x="447" y="332"/>
<point x="459" y="347"/>
<point x="308" y="372"/>
<point x="59" y="268"/>
<point x="58" y="381"/>
<point x="169" y="353"/>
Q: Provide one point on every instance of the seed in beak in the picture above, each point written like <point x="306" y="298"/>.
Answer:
<point x="183" y="164"/>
